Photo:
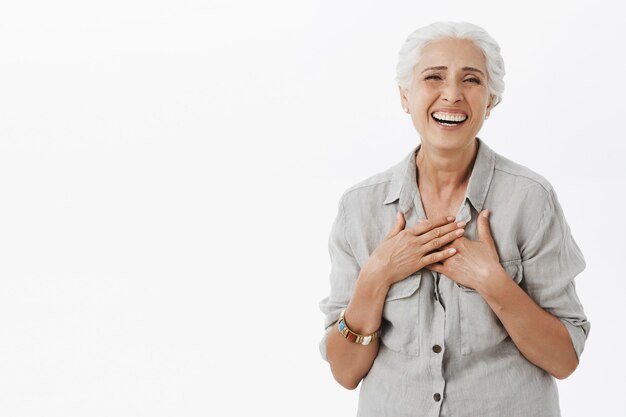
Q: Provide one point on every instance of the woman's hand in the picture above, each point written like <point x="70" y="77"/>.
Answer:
<point x="404" y="251"/>
<point x="475" y="261"/>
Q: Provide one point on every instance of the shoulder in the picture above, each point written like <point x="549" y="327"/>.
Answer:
<point x="373" y="188"/>
<point x="513" y="176"/>
<point x="527" y="196"/>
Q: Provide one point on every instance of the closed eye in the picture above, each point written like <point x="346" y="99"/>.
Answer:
<point x="437" y="77"/>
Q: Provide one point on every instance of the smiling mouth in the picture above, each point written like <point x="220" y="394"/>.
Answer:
<point x="450" y="120"/>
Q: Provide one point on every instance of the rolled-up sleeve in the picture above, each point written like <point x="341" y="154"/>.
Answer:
<point x="551" y="260"/>
<point x="343" y="274"/>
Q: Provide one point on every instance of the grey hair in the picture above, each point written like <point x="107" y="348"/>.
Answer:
<point x="410" y="52"/>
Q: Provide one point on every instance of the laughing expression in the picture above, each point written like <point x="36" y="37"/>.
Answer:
<point x="449" y="98"/>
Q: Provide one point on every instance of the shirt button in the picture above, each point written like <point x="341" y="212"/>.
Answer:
<point x="437" y="397"/>
<point x="436" y="348"/>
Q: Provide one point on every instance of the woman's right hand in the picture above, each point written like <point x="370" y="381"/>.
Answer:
<point x="404" y="251"/>
<point x="401" y="253"/>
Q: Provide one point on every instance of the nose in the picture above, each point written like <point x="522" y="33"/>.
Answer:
<point x="451" y="92"/>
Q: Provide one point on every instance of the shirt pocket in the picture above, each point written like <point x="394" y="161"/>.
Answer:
<point x="480" y="326"/>
<point x="400" y="330"/>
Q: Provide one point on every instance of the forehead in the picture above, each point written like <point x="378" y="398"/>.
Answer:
<point x="452" y="53"/>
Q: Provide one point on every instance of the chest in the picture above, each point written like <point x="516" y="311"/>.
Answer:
<point x="437" y="206"/>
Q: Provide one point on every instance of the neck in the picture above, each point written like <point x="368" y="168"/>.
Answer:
<point x="444" y="171"/>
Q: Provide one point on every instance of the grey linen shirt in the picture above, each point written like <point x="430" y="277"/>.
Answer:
<point x="443" y="351"/>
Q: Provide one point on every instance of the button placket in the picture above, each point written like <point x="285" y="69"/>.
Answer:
<point x="437" y="343"/>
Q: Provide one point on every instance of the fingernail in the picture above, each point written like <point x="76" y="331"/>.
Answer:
<point x="461" y="224"/>
<point x="450" y="218"/>
<point x="486" y="213"/>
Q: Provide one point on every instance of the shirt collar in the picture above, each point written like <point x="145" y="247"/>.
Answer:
<point x="404" y="180"/>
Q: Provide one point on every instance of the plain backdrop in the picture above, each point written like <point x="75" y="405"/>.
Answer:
<point x="170" y="170"/>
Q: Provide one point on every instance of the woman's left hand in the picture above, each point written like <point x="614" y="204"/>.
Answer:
<point x="475" y="261"/>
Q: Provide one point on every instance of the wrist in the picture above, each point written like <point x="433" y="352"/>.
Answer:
<point x="492" y="283"/>
<point x="374" y="284"/>
<point x="364" y="311"/>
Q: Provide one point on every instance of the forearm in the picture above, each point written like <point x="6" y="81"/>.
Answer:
<point x="541" y="337"/>
<point x="350" y="362"/>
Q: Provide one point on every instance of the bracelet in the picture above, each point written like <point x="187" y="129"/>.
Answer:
<point x="355" y="337"/>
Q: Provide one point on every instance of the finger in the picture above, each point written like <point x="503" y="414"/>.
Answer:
<point x="437" y="267"/>
<point x="438" y="242"/>
<point x="440" y="231"/>
<point x="424" y="225"/>
<point x="398" y="226"/>
<point x="438" y="256"/>
<point x="484" y="231"/>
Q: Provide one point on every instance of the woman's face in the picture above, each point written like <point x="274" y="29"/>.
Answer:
<point x="455" y="89"/>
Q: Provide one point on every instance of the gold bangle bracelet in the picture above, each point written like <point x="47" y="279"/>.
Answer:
<point x="355" y="337"/>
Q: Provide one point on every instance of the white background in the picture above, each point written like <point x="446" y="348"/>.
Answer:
<point x="170" y="170"/>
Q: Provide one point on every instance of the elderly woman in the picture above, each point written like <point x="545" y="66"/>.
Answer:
<point x="452" y="278"/>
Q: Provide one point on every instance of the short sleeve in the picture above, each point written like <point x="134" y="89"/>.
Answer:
<point x="551" y="260"/>
<point x="344" y="271"/>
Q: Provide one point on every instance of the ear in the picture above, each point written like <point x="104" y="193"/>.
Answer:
<point x="489" y="105"/>
<point x="404" y="99"/>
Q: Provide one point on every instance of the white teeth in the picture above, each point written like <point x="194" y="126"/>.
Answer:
<point x="453" y="117"/>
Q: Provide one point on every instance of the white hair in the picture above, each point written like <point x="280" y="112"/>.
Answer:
<point x="410" y="52"/>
